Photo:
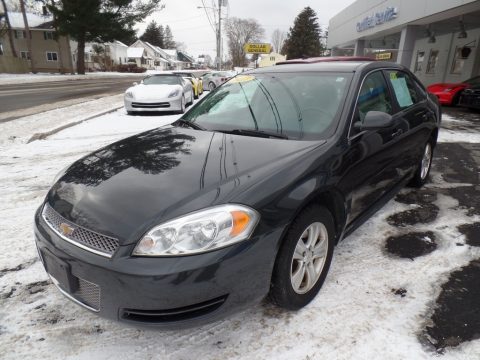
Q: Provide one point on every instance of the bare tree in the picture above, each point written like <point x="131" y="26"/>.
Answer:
<point x="239" y="33"/>
<point x="9" y="30"/>
<point x="278" y="38"/>
<point x="29" y="37"/>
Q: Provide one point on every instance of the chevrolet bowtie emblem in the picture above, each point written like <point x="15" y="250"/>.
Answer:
<point x="66" y="229"/>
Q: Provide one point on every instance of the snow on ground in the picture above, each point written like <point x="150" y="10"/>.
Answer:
<point x="22" y="129"/>
<point x="451" y="133"/>
<point x="355" y="316"/>
<point x="8" y="79"/>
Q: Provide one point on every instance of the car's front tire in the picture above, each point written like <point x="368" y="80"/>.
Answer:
<point x="423" y="168"/>
<point x="211" y="86"/>
<point x="182" y="105"/>
<point x="304" y="258"/>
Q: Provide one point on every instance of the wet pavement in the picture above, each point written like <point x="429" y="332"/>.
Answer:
<point x="455" y="315"/>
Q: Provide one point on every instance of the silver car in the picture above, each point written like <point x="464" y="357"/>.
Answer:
<point x="213" y="80"/>
<point x="159" y="92"/>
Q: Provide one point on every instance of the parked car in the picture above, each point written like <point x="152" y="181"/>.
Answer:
<point x="215" y="79"/>
<point x="246" y="195"/>
<point x="159" y="92"/>
<point x="471" y="98"/>
<point x="195" y="80"/>
<point x="449" y="93"/>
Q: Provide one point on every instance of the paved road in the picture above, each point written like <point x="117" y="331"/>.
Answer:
<point x="24" y="96"/>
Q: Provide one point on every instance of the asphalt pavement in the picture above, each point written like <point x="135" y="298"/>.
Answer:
<point x="17" y="98"/>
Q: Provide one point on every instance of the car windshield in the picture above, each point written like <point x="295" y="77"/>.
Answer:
<point x="186" y="74"/>
<point x="161" y="80"/>
<point x="473" y="81"/>
<point x="295" y="105"/>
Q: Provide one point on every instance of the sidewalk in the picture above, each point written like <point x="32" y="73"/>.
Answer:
<point x="39" y="126"/>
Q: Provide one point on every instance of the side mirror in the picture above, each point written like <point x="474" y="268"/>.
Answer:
<point x="135" y="83"/>
<point x="374" y="120"/>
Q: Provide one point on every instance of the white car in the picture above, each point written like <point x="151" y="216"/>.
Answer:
<point x="213" y="80"/>
<point x="159" y="92"/>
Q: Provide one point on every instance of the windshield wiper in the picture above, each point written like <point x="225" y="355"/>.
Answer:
<point x="188" y="124"/>
<point x="257" y="133"/>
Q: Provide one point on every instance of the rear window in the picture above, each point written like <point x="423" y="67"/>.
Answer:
<point x="299" y="105"/>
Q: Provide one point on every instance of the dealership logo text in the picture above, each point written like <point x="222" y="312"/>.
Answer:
<point x="379" y="18"/>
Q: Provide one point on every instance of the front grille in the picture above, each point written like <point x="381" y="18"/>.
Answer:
<point x="151" y="105"/>
<point x="86" y="239"/>
<point x="88" y="293"/>
<point x="172" y="315"/>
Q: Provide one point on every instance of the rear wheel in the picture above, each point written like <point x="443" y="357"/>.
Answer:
<point x="304" y="259"/>
<point x="211" y="86"/>
<point x="423" y="169"/>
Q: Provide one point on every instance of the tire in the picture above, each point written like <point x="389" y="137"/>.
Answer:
<point x="423" y="168"/>
<point x="211" y="86"/>
<point x="292" y="255"/>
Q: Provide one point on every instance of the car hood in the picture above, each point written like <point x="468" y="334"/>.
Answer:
<point x="128" y="187"/>
<point x="153" y="92"/>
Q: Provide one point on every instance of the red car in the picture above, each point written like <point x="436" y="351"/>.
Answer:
<point x="449" y="93"/>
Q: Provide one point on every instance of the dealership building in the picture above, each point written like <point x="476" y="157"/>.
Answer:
<point x="439" y="40"/>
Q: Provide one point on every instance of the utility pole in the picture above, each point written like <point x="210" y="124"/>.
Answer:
<point x="219" y="36"/>
<point x="9" y="30"/>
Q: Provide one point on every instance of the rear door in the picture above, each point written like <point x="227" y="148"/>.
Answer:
<point x="414" y="114"/>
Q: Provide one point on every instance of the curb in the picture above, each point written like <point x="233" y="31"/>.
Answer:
<point x="44" y="135"/>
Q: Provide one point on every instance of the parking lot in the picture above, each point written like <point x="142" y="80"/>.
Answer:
<point x="404" y="285"/>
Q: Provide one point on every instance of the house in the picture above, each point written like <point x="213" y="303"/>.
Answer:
<point x="102" y="56"/>
<point x="50" y="52"/>
<point x="271" y="59"/>
<point x="172" y="57"/>
<point x="139" y="56"/>
<point x="188" y="61"/>
<point x="155" y="53"/>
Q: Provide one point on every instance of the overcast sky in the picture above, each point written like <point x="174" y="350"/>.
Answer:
<point x="190" y="25"/>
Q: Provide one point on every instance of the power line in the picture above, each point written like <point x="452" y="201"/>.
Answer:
<point x="208" y="17"/>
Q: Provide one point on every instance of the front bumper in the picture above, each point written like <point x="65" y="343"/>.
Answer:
<point x="166" y="104"/>
<point x="166" y="292"/>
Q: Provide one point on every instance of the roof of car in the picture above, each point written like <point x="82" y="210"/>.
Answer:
<point x="313" y="60"/>
<point x="327" y="66"/>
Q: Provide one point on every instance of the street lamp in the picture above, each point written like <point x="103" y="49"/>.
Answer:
<point x="218" y="32"/>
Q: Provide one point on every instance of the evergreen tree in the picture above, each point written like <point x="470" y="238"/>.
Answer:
<point x="152" y="34"/>
<point x="303" y="40"/>
<point x="99" y="20"/>
<point x="168" y="39"/>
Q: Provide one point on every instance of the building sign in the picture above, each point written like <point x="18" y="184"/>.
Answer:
<point x="378" y="18"/>
<point x="383" y="56"/>
<point x="253" y="48"/>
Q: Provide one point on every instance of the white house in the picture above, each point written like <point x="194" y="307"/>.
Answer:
<point x="155" y="53"/>
<point x="117" y="51"/>
<point x="139" y="56"/>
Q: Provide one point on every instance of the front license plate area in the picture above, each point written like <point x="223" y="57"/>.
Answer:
<point x="60" y="271"/>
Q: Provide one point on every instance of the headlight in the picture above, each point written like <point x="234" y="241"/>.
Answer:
<point x="201" y="231"/>
<point x="129" y="94"/>
<point x="174" y="93"/>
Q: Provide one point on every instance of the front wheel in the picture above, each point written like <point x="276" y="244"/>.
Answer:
<point x="423" y="169"/>
<point x="304" y="259"/>
<point x="182" y="105"/>
<point x="211" y="86"/>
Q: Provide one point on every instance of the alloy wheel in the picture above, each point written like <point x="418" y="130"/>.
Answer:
<point x="309" y="258"/>
<point x="426" y="161"/>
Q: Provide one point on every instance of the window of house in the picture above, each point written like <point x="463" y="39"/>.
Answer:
<point x="1" y="49"/>
<point x="25" y="55"/>
<point x="48" y="35"/>
<point x="52" y="56"/>
<point x="419" y="61"/>
<point x="432" y="62"/>
<point x="20" y="34"/>
<point x="458" y="62"/>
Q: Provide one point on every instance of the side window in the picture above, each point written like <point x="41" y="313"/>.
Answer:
<point x="373" y="96"/>
<point x="404" y="88"/>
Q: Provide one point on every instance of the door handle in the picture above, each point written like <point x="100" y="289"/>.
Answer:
<point x="397" y="133"/>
